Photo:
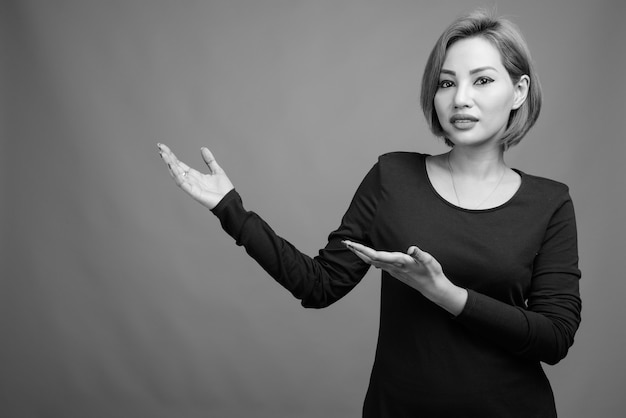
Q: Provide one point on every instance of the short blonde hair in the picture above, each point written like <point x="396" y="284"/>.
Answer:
<point x="508" y="40"/>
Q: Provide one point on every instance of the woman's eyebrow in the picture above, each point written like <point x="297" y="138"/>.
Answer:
<point x="480" y="69"/>
<point x="474" y="71"/>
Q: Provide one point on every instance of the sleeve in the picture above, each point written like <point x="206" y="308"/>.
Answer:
<point x="319" y="281"/>
<point x="545" y="329"/>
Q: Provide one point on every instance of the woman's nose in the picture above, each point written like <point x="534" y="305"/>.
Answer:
<point x="462" y="97"/>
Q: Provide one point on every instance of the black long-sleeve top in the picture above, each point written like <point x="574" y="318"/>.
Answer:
<point x="518" y="261"/>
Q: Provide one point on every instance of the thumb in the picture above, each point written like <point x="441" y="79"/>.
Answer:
<point x="417" y="254"/>
<point x="209" y="159"/>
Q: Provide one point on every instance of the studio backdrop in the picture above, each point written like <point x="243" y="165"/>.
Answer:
<point x="122" y="297"/>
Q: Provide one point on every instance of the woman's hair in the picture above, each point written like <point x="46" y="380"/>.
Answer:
<point x="508" y="40"/>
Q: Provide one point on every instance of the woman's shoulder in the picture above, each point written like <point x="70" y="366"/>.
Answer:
<point x="401" y="163"/>
<point x="402" y="156"/>
<point x="544" y="188"/>
<point x="401" y="159"/>
<point x="544" y="182"/>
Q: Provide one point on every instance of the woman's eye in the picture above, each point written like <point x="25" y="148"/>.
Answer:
<point x="444" y="84"/>
<point x="483" y="80"/>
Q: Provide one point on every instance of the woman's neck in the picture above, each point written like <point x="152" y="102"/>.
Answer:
<point x="475" y="163"/>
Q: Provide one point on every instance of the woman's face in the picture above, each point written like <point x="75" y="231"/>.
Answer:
<point x="476" y="94"/>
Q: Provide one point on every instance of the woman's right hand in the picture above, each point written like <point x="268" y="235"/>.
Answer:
<point x="208" y="189"/>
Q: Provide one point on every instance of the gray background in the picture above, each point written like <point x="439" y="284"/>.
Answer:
<point x="120" y="296"/>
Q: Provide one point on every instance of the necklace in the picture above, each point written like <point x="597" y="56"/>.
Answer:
<point x="458" y="201"/>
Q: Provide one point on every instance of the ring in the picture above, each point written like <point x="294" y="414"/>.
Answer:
<point x="185" y="173"/>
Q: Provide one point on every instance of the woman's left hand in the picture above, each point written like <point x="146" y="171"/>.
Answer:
<point x="417" y="269"/>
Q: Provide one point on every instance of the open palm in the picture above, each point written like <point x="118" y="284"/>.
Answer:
<point x="208" y="189"/>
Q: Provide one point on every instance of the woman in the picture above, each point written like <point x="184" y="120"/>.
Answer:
<point x="488" y="287"/>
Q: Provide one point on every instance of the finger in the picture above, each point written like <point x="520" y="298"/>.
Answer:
<point x="166" y="153"/>
<point x="209" y="159"/>
<point x="162" y="147"/>
<point x="389" y="267"/>
<point x="379" y="258"/>
<point x="178" y="169"/>
<point x="191" y="175"/>
<point x="184" y="176"/>
<point x="349" y="246"/>
<point x="182" y="173"/>
<point x="183" y="167"/>
<point x="419" y="255"/>
<point x="170" y="158"/>
<point x="383" y="257"/>
<point x="355" y="246"/>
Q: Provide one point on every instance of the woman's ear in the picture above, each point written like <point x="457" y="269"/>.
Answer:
<point x="521" y="91"/>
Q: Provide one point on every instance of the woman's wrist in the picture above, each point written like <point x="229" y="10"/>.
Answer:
<point x="449" y="296"/>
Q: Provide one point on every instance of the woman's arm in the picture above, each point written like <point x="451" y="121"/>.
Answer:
<point x="317" y="281"/>
<point x="417" y="269"/>
<point x="543" y="331"/>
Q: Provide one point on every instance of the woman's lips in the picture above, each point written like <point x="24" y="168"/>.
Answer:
<point x="463" y="121"/>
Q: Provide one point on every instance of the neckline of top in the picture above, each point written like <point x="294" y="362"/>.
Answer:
<point x="461" y="208"/>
